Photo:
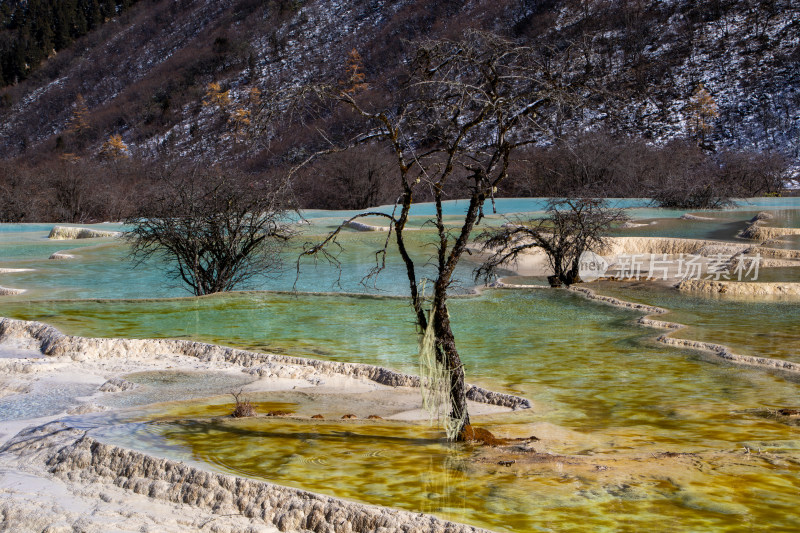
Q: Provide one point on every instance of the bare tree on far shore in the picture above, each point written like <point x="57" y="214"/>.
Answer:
<point x="213" y="229"/>
<point x="572" y="226"/>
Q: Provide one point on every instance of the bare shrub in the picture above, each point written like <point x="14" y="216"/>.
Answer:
<point x="355" y="179"/>
<point x="243" y="407"/>
<point x="753" y="173"/>
<point x="17" y="199"/>
<point x="214" y="229"/>
<point x="686" y="177"/>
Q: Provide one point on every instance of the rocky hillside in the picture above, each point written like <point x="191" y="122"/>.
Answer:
<point x="143" y="75"/>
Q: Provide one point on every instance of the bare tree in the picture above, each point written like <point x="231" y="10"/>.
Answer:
<point x="453" y="126"/>
<point x="688" y="179"/>
<point x="571" y="227"/>
<point x="754" y="173"/>
<point x="73" y="199"/>
<point x="15" y="197"/>
<point x="214" y="229"/>
<point x="355" y="179"/>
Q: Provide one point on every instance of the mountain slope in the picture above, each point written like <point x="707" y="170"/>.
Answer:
<point x="144" y="74"/>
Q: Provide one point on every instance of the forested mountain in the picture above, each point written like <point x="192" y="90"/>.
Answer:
<point x="33" y="30"/>
<point x="722" y="73"/>
<point x="144" y="73"/>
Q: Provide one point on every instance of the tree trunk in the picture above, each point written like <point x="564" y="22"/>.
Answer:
<point x="554" y="280"/>
<point x="447" y="354"/>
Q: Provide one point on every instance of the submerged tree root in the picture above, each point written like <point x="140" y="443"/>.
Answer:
<point x="485" y="437"/>
<point x="471" y="433"/>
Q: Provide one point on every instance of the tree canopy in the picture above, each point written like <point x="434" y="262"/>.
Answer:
<point x="31" y="30"/>
<point x="571" y="227"/>
<point x="465" y="107"/>
<point x="214" y="230"/>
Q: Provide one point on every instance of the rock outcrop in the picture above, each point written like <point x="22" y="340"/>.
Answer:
<point x="117" y="385"/>
<point x="670" y="246"/>
<point x="8" y="291"/>
<point x="360" y="226"/>
<point x="69" y="232"/>
<point x="756" y="231"/>
<point x="58" y="256"/>
<point x="689" y="216"/>
<point x="763" y="215"/>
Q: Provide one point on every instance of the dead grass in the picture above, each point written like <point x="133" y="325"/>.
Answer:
<point x="243" y="407"/>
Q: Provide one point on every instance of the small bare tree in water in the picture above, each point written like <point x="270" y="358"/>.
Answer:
<point x="242" y="408"/>
<point x="452" y="126"/>
<point x="213" y="229"/>
<point x="572" y="226"/>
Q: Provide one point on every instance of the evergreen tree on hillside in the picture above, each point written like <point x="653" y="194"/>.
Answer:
<point x="31" y="30"/>
<point x="702" y="110"/>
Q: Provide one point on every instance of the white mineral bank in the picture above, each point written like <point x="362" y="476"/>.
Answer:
<point x="55" y="478"/>
<point x="70" y="232"/>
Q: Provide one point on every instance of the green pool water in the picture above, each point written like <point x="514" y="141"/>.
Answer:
<point x="592" y="373"/>
<point x="602" y="390"/>
<point x="103" y="269"/>
<point x="408" y="466"/>
<point x="764" y="326"/>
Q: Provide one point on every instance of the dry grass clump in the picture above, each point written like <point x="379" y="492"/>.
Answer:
<point x="243" y="407"/>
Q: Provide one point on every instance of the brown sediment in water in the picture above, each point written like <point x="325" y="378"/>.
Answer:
<point x="278" y="413"/>
<point x="472" y="433"/>
<point x="632" y="469"/>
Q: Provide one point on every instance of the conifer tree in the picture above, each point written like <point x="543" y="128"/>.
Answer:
<point x="79" y="121"/>
<point x="114" y="148"/>
<point x="702" y="111"/>
<point x="36" y="28"/>
<point x="355" y="72"/>
<point x="215" y="96"/>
